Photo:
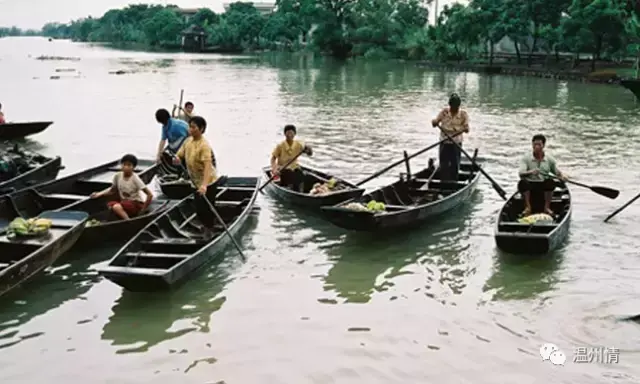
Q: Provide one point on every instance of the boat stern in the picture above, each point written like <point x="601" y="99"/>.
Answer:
<point x="136" y="279"/>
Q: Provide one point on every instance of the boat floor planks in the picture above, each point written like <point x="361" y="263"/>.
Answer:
<point x="176" y="243"/>
<point x="21" y="258"/>
<point x="514" y="237"/>
<point x="409" y="202"/>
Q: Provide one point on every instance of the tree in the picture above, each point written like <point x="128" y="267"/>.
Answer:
<point x="164" y="27"/>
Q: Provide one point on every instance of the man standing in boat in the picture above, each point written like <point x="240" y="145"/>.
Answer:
<point x="533" y="166"/>
<point x="174" y="133"/>
<point x="451" y="120"/>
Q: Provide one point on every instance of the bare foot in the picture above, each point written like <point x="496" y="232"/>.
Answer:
<point x="549" y="212"/>
<point x="526" y="212"/>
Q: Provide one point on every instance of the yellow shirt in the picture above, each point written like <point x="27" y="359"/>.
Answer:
<point x="285" y="152"/>
<point x="453" y="124"/>
<point x="197" y="156"/>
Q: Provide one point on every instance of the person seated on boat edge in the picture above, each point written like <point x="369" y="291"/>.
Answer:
<point x="127" y="185"/>
<point x="197" y="154"/>
<point x="532" y="181"/>
<point x="452" y="119"/>
<point x="292" y="177"/>
<point x="2" y="121"/>
<point x="174" y="133"/>
<point x="184" y="114"/>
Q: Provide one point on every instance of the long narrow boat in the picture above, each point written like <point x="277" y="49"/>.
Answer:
<point x="12" y="131"/>
<point x="22" y="258"/>
<point x="342" y="191"/>
<point x="73" y="193"/>
<point x="520" y="238"/>
<point x="32" y="169"/>
<point x="176" y="244"/>
<point x="408" y="202"/>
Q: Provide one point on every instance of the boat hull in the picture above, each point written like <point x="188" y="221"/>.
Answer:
<point x="12" y="131"/>
<point x="125" y="268"/>
<point x="46" y="172"/>
<point x="43" y="256"/>
<point x="306" y="200"/>
<point x="72" y="193"/>
<point x="523" y="239"/>
<point x="400" y="216"/>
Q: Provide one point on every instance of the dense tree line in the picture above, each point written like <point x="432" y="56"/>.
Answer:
<point x="15" y="31"/>
<point x="384" y="28"/>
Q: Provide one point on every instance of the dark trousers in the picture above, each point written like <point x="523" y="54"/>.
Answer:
<point x="292" y="179"/>
<point x="547" y="185"/>
<point x="449" y="161"/>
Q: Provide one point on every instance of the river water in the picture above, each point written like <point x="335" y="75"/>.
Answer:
<point x="312" y="304"/>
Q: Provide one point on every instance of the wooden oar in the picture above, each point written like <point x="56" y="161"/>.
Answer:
<point x="603" y="191"/>
<point x="495" y="185"/>
<point x="226" y="229"/>
<point x="273" y="176"/>
<point x="386" y="169"/>
<point x="180" y="104"/>
<point x="628" y="203"/>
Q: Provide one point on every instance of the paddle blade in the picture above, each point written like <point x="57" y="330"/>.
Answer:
<point x="606" y="192"/>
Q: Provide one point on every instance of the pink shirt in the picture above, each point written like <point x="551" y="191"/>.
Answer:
<point x="2" y="118"/>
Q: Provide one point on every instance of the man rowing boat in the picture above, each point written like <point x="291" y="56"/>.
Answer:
<point x="291" y="176"/>
<point x="532" y="179"/>
<point x="452" y="120"/>
<point x="174" y="133"/>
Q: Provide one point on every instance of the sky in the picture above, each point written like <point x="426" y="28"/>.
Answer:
<point x="35" y="13"/>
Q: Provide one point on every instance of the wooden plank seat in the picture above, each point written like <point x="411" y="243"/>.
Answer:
<point x="65" y="196"/>
<point x="516" y="224"/>
<point x="183" y="246"/>
<point x="156" y="255"/>
<point x="448" y="185"/>
<point x="134" y="270"/>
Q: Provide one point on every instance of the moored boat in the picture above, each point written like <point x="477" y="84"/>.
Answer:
<point x="73" y="193"/>
<point x="29" y="169"/>
<point x="23" y="257"/>
<point x="408" y="202"/>
<point x="12" y="131"/>
<point x="515" y="237"/>
<point x="176" y="243"/>
<point x="342" y="191"/>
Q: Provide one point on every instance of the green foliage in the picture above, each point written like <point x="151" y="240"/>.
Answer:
<point x="15" y="31"/>
<point x="381" y="28"/>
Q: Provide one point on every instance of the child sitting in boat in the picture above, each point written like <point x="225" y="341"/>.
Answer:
<point x="127" y="186"/>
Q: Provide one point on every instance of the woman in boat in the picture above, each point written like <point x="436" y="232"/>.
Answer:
<point x="291" y="176"/>
<point x="197" y="155"/>
<point x="174" y="133"/>
<point x="1" y="115"/>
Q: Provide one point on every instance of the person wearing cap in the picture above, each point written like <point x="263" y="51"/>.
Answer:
<point x="292" y="176"/>
<point x="451" y="120"/>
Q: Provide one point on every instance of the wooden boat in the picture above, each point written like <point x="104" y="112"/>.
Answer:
<point x="343" y="190"/>
<point x="22" y="258"/>
<point x="176" y="244"/>
<point x="409" y="201"/>
<point x="633" y="85"/>
<point x="174" y="187"/>
<point x="73" y="193"/>
<point x="12" y="131"/>
<point x="518" y="238"/>
<point x="33" y="169"/>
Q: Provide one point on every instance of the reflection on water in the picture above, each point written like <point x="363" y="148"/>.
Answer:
<point x="141" y="321"/>
<point x="69" y="278"/>
<point x="520" y="278"/>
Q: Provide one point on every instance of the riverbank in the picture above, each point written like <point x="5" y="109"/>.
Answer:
<point x="605" y="72"/>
